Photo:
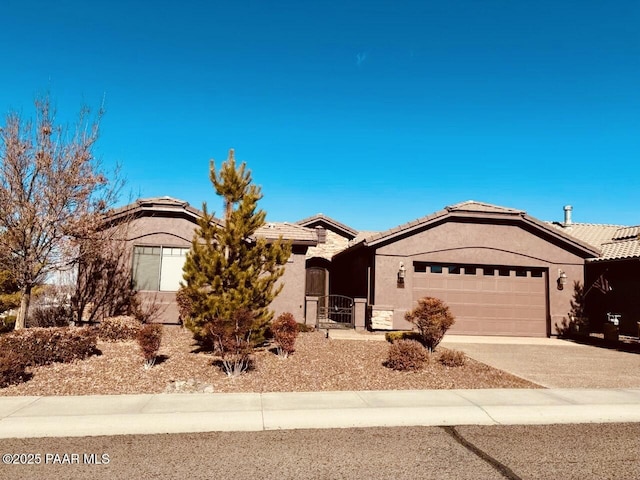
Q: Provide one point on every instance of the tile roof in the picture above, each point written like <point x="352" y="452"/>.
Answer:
<point x="289" y="231"/>
<point x="473" y="206"/>
<point x="619" y="250"/>
<point x="591" y="233"/>
<point x="627" y="233"/>
<point x="616" y="242"/>
<point x="322" y="219"/>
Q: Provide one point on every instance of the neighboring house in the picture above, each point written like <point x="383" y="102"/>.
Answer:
<point x="612" y="279"/>
<point x="160" y="231"/>
<point x="501" y="271"/>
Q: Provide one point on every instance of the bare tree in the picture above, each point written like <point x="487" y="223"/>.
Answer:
<point x="103" y="285"/>
<point x="53" y="193"/>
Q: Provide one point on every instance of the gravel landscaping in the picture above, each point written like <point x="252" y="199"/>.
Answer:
<point x="318" y="364"/>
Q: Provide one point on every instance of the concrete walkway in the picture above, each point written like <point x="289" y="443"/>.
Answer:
<point x="22" y="417"/>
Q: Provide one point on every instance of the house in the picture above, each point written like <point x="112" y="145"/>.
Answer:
<point x="501" y="271"/>
<point x="612" y="279"/>
<point x="159" y="232"/>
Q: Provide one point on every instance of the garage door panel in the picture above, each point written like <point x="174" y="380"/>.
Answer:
<point x="489" y="305"/>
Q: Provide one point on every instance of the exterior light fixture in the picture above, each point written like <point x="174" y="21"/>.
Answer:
<point x="562" y="279"/>
<point x="402" y="271"/>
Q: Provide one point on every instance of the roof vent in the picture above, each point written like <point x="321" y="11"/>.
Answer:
<point x="567" y="215"/>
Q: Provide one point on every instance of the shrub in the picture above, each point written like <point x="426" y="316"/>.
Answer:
<point x="452" y="358"/>
<point x="231" y="339"/>
<point x="149" y="338"/>
<point x="12" y="369"/>
<point x="407" y="335"/>
<point x="285" y="331"/>
<point x="118" y="329"/>
<point x="432" y="318"/>
<point x="406" y="355"/>
<point x="50" y="316"/>
<point x="184" y="305"/>
<point x="304" y="328"/>
<point x="42" y="346"/>
<point x="7" y="324"/>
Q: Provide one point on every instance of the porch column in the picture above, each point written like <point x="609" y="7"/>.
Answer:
<point x="359" y="313"/>
<point x="311" y="310"/>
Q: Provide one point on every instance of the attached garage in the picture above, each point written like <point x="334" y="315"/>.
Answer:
<point x="487" y="299"/>
<point x="500" y="271"/>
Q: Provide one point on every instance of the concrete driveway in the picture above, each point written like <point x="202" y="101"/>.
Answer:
<point x="551" y="362"/>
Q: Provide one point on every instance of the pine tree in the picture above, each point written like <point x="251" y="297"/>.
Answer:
<point x="228" y="269"/>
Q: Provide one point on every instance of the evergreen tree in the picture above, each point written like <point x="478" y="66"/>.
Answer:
<point x="228" y="269"/>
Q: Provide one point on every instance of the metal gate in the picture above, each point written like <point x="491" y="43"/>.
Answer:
<point x="335" y="311"/>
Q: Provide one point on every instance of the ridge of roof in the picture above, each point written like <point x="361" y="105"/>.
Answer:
<point x="321" y="217"/>
<point x="473" y="207"/>
<point x="483" y="207"/>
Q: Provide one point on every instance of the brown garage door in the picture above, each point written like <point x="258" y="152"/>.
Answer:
<point x="487" y="300"/>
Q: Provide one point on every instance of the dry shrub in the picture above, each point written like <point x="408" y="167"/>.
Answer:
<point x="118" y="329"/>
<point x="452" y="358"/>
<point x="185" y="305"/>
<point x="285" y="331"/>
<point x="432" y="318"/>
<point x="42" y="346"/>
<point x="231" y="339"/>
<point x="50" y="316"/>
<point x="12" y="369"/>
<point x="395" y="336"/>
<point x="406" y="355"/>
<point x="149" y="338"/>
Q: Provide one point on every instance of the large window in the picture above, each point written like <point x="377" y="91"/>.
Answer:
<point x="158" y="268"/>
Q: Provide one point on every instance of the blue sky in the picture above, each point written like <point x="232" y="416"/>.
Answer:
<point x="375" y="113"/>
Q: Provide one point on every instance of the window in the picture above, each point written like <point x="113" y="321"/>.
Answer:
<point x="521" y="272"/>
<point x="436" y="268"/>
<point x="469" y="270"/>
<point x="536" y="273"/>
<point x="489" y="271"/>
<point x="158" y="268"/>
<point x="503" y="272"/>
<point x="454" y="270"/>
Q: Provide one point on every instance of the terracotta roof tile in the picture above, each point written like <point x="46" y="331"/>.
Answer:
<point x="626" y="233"/>
<point x="619" y="250"/>
<point x="288" y="231"/>
<point x="320" y="218"/>
<point x="473" y="206"/>
<point x="592" y="233"/>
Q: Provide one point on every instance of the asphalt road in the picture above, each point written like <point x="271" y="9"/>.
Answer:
<point x="587" y="451"/>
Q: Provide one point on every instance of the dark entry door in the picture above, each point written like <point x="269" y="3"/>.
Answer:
<point x="316" y="282"/>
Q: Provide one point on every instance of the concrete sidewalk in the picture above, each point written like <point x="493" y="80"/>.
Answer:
<point x="22" y="417"/>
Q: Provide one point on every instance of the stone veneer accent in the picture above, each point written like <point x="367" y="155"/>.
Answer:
<point x="335" y="243"/>
<point x="382" y="318"/>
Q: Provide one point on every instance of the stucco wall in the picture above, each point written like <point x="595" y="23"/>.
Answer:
<point x="476" y="244"/>
<point x="292" y="299"/>
<point x="164" y="231"/>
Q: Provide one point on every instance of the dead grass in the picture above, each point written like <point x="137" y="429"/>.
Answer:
<point x="318" y="364"/>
